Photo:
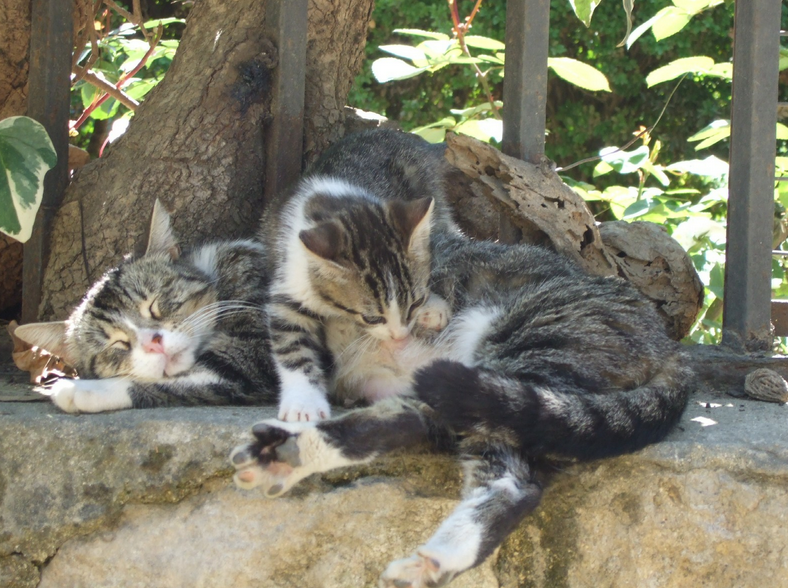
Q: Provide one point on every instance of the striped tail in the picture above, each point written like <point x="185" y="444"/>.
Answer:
<point x="544" y="421"/>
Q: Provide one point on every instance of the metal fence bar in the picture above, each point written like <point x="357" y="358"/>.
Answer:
<point x="524" y="86"/>
<point x="287" y="27"/>
<point x="748" y="268"/>
<point x="48" y="102"/>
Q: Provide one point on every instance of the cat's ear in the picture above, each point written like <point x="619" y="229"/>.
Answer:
<point x="160" y="236"/>
<point x="48" y="336"/>
<point x="324" y="240"/>
<point x="413" y="219"/>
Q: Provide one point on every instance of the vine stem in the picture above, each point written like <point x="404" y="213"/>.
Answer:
<point x="459" y="31"/>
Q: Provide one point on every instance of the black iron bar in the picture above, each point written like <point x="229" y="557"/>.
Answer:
<point x="747" y="303"/>
<point x="47" y="102"/>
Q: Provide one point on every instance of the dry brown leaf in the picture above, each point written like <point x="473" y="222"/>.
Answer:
<point x="41" y="364"/>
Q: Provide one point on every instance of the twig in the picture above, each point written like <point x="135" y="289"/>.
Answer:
<point x="635" y="138"/>
<point x="459" y="31"/>
<point x="105" y="86"/>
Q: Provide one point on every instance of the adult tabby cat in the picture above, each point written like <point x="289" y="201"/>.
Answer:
<point x="166" y="329"/>
<point x="351" y="266"/>
<point x="540" y="361"/>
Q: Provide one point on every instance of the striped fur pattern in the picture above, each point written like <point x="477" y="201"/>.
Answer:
<point x="352" y="267"/>
<point x="166" y="329"/>
<point x="539" y="361"/>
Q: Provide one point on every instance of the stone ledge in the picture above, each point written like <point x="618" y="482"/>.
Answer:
<point x="143" y="498"/>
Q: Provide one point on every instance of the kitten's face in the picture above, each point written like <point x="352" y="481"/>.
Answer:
<point x="371" y="262"/>
<point x="145" y="320"/>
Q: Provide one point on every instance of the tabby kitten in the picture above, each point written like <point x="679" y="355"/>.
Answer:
<point x="540" y="361"/>
<point x="351" y="267"/>
<point x="167" y="330"/>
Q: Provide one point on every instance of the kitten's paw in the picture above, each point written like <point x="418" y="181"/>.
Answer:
<point x="421" y="570"/>
<point x="62" y="392"/>
<point x="434" y="314"/>
<point x="273" y="461"/>
<point x="303" y="405"/>
<point x="89" y="395"/>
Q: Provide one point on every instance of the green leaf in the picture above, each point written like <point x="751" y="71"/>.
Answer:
<point x="628" y="6"/>
<point x="638" y="32"/>
<point x="484" y="130"/>
<point x="26" y="155"/>
<point x="696" y="6"/>
<point x="152" y="24"/>
<point x="387" y="69"/>
<point x="420" y="33"/>
<point x="783" y="58"/>
<point x="484" y="43"/>
<point x="711" y="167"/>
<point x="679" y="67"/>
<point x="625" y="162"/>
<point x="782" y="132"/>
<point x="669" y="21"/>
<point x="579" y="73"/>
<point x="717" y="131"/>
<point x="584" y="9"/>
<point x="414" y="54"/>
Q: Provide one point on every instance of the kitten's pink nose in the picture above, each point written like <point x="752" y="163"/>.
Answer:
<point x="400" y="334"/>
<point x="155" y="345"/>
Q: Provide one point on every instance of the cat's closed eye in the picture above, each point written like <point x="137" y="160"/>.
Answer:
<point x="415" y="306"/>
<point x="122" y="344"/>
<point x="373" y="320"/>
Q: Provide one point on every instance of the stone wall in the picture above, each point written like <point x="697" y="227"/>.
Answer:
<point x="142" y="498"/>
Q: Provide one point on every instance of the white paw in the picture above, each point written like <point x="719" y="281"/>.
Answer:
<point x="62" y="392"/>
<point x="421" y="570"/>
<point x="303" y="405"/>
<point x="273" y="461"/>
<point x="434" y="314"/>
<point x="90" y="395"/>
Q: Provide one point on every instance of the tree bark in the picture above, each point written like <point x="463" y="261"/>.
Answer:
<point x="197" y="141"/>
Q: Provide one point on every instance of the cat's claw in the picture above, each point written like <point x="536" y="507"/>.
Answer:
<point x="273" y="460"/>
<point x="421" y="570"/>
<point x="301" y="406"/>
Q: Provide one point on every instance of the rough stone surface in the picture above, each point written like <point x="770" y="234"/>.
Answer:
<point x="142" y="498"/>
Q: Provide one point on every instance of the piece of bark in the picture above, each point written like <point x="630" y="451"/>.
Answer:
<point x="197" y="141"/>
<point x="660" y="268"/>
<point x="724" y="371"/>
<point x="535" y="199"/>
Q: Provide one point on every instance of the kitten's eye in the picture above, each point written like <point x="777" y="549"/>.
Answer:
<point x="155" y="313"/>
<point x="121" y="344"/>
<point x="373" y="320"/>
<point x="415" y="305"/>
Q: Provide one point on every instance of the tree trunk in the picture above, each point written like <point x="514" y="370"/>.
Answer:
<point x="197" y="141"/>
<point x="14" y="42"/>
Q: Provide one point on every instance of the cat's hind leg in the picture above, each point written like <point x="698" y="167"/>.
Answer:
<point x="500" y="489"/>
<point x="285" y="453"/>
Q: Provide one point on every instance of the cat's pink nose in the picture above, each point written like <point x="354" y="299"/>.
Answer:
<point x="400" y="334"/>
<point x="155" y="345"/>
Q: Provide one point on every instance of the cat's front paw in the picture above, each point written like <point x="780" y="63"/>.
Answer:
<point x="434" y="314"/>
<point x="303" y="405"/>
<point x="62" y="392"/>
<point x="89" y="395"/>
<point x="421" y="570"/>
<point x="273" y="461"/>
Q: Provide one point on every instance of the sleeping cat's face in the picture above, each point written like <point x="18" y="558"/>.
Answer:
<point x="145" y="320"/>
<point x="370" y="261"/>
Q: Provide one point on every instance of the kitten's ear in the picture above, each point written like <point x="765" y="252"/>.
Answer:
<point x="413" y="219"/>
<point x="160" y="237"/>
<point x="48" y="336"/>
<point x="324" y="240"/>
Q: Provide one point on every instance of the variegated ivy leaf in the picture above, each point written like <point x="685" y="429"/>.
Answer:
<point x="26" y="155"/>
